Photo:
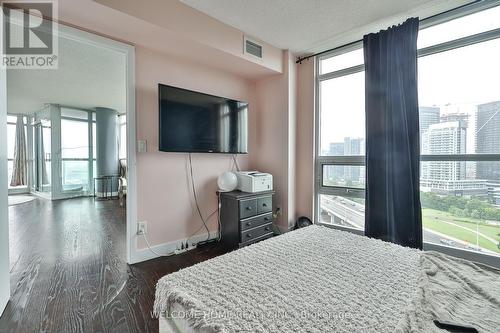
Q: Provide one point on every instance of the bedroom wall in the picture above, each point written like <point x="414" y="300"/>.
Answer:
<point x="291" y="69"/>
<point x="194" y="37"/>
<point x="275" y="140"/>
<point x="165" y="199"/>
<point x="305" y="139"/>
<point x="195" y="25"/>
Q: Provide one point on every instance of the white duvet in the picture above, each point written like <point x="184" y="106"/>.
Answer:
<point x="318" y="279"/>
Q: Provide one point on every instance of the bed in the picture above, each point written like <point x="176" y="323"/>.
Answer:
<point x="318" y="279"/>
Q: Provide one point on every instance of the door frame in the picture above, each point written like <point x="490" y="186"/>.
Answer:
<point x="4" y="205"/>
<point x="129" y="52"/>
<point x="131" y="215"/>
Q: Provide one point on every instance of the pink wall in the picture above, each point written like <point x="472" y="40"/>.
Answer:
<point x="292" y="136"/>
<point x="144" y="27"/>
<point x="305" y="139"/>
<point x="163" y="55"/>
<point x="164" y="195"/>
<point x="191" y="24"/>
<point x="272" y="136"/>
<point x="165" y="199"/>
<point x="276" y="136"/>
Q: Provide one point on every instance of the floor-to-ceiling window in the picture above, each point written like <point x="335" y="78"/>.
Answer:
<point x="459" y="105"/>
<point x="41" y="163"/>
<point x="77" y="149"/>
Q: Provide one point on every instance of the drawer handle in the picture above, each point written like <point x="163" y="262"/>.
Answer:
<point x="249" y="224"/>
<point x="268" y="229"/>
<point x="249" y="208"/>
<point x="249" y="235"/>
<point x="266" y="219"/>
<point x="264" y="205"/>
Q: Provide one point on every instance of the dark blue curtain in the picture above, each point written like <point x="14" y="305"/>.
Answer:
<point x="392" y="136"/>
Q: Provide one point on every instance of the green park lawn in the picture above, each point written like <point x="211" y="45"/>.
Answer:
<point x="433" y="220"/>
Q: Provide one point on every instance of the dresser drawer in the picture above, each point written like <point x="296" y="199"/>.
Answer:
<point x="256" y="221"/>
<point x="264" y="204"/>
<point x="257" y="232"/>
<point x="248" y="208"/>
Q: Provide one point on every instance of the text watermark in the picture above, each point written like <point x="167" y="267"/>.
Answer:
<point x="28" y="37"/>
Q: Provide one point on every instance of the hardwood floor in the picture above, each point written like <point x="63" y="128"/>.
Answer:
<point x="69" y="274"/>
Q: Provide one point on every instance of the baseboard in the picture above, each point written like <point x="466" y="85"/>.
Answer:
<point x="41" y="195"/>
<point x="106" y="194"/>
<point x="169" y="247"/>
<point x="15" y="190"/>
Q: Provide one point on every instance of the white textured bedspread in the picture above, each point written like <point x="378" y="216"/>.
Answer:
<point x="318" y="279"/>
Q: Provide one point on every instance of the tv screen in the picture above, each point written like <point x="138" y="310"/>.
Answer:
<point x="194" y="122"/>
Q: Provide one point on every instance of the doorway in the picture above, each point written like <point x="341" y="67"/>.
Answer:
<point x="62" y="225"/>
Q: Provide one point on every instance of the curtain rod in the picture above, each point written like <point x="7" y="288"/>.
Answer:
<point x="427" y="19"/>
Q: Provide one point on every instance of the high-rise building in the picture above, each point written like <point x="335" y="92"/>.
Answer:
<point x="488" y="139"/>
<point x="428" y="115"/>
<point x="347" y="174"/>
<point x="353" y="147"/>
<point x="446" y="134"/>
<point x="336" y="149"/>
<point x="335" y="172"/>
<point x="447" y="138"/>
<point x="463" y="118"/>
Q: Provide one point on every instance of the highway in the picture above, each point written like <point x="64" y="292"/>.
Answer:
<point x="352" y="214"/>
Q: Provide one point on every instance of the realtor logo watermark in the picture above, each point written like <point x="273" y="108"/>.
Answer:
<point x="28" y="34"/>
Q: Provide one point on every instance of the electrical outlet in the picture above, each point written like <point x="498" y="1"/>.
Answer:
<point x="277" y="212"/>
<point x="142" y="228"/>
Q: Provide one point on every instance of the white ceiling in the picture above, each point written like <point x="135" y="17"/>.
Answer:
<point x="308" y="26"/>
<point x="88" y="76"/>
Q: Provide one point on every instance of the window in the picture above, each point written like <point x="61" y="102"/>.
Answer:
<point x="342" y="61"/>
<point x="342" y="135"/>
<point x="74" y="139"/>
<point x="76" y="170"/>
<point x="459" y="106"/>
<point x="47" y="149"/>
<point x="340" y="160"/>
<point x="122" y="121"/>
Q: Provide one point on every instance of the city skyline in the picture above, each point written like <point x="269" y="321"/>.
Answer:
<point x="441" y="133"/>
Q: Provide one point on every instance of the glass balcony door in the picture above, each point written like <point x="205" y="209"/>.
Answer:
<point x="42" y="157"/>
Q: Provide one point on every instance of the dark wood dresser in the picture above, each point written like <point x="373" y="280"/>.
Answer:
<point x="246" y="218"/>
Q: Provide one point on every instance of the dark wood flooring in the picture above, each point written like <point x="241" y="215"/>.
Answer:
<point x="69" y="274"/>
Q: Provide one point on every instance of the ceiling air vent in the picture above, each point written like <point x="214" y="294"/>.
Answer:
<point x="253" y="48"/>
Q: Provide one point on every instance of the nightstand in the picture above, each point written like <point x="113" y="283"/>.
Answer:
<point x="246" y="218"/>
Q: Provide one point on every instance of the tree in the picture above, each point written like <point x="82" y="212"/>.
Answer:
<point x="476" y="214"/>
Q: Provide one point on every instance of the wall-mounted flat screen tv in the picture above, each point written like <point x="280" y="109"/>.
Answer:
<point x="200" y="123"/>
